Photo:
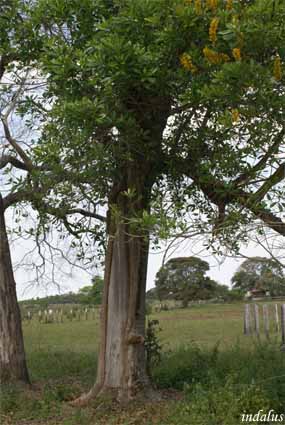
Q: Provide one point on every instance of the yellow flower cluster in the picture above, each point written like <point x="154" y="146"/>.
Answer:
<point x="277" y="71"/>
<point x="236" y="54"/>
<point x="229" y="4"/>
<point x="198" y="7"/>
<point x="215" y="57"/>
<point x="235" y="115"/>
<point x="212" y="4"/>
<point x="187" y="63"/>
<point x="213" y="30"/>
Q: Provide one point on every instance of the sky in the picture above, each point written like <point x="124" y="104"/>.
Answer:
<point x="221" y="270"/>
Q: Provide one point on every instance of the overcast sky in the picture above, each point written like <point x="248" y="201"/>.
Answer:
<point x="220" y="269"/>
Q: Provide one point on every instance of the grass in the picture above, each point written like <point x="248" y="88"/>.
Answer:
<point x="210" y="373"/>
<point x="206" y="325"/>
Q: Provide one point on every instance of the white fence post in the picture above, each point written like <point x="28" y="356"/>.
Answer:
<point x="247" y="320"/>
<point x="277" y="327"/>
<point x="283" y="326"/>
<point x="266" y="320"/>
<point x="256" y="319"/>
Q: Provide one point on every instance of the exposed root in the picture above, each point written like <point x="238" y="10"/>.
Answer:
<point x="147" y="394"/>
<point x="85" y="398"/>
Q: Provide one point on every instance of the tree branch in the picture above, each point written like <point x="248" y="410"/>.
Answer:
<point x="33" y="195"/>
<point x="9" y="159"/>
<point x="274" y="179"/>
<point x="22" y="154"/>
<point x="221" y="194"/>
<point x="86" y="214"/>
<point x="4" y="118"/>
<point x="244" y="177"/>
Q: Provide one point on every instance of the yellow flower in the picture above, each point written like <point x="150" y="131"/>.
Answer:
<point x="198" y="7"/>
<point x="277" y="71"/>
<point x="187" y="63"/>
<point x="212" y="4"/>
<point x="236" y="53"/>
<point x="235" y="115"/>
<point x="224" y="57"/>
<point x="213" y="30"/>
<point x="229" y="4"/>
<point x="215" y="57"/>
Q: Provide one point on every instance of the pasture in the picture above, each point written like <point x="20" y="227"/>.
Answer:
<point x="203" y="349"/>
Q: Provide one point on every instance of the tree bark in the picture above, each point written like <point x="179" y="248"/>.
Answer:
<point x="122" y="363"/>
<point x="124" y="359"/>
<point x="13" y="366"/>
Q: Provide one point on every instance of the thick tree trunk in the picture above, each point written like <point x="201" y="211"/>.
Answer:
<point x="124" y="361"/>
<point x="12" y="354"/>
<point x="122" y="364"/>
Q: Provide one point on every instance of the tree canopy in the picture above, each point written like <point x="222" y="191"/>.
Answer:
<point x="206" y="76"/>
<point x="152" y="110"/>
<point x="260" y="273"/>
<point x="184" y="279"/>
<point x="92" y="294"/>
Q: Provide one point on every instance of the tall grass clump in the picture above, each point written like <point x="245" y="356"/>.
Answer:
<point x="220" y="386"/>
<point x="62" y="365"/>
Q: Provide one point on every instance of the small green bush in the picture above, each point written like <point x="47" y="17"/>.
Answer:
<point x="221" y="385"/>
<point x="215" y="404"/>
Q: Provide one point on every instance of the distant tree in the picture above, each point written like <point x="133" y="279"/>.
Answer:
<point x="234" y="295"/>
<point x="151" y="294"/>
<point x="260" y="273"/>
<point x="222" y="291"/>
<point x="92" y="294"/>
<point x="184" y="278"/>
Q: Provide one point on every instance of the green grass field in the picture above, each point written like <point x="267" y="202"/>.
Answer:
<point x="203" y="348"/>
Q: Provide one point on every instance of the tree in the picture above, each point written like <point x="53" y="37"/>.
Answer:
<point x="12" y="354"/>
<point x="92" y="294"/>
<point x="151" y="294"/>
<point x="184" y="279"/>
<point x="21" y="116"/>
<point x="165" y="107"/>
<point x="260" y="273"/>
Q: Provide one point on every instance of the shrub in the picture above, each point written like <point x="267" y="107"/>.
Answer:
<point x="237" y="380"/>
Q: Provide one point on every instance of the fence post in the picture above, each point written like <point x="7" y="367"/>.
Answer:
<point x="277" y="327"/>
<point x="247" y="320"/>
<point x="256" y="319"/>
<point x="283" y="326"/>
<point x="266" y="320"/>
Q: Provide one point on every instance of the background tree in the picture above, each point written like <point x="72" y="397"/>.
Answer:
<point x="92" y="294"/>
<point x="260" y="273"/>
<point x="152" y="294"/>
<point x="184" y="279"/>
<point x="13" y="156"/>
<point x="22" y="112"/>
<point x="165" y="107"/>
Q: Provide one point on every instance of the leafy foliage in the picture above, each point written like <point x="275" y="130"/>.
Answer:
<point x="92" y="294"/>
<point x="184" y="278"/>
<point x="260" y="273"/>
<point x="153" y="347"/>
<point x="189" y="98"/>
